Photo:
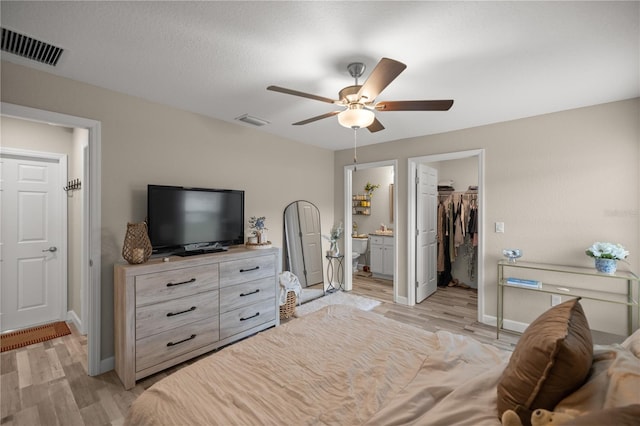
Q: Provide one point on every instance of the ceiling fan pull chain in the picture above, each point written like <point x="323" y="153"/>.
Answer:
<point x="355" y="144"/>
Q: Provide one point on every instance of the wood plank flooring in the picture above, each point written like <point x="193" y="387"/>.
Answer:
<point x="47" y="383"/>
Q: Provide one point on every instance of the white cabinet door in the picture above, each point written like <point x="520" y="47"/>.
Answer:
<point x="382" y="255"/>
<point x="377" y="256"/>
<point x="387" y="260"/>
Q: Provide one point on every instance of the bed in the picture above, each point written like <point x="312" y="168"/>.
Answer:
<point x="344" y="366"/>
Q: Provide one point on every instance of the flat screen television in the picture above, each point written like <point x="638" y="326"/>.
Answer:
<point x="191" y="220"/>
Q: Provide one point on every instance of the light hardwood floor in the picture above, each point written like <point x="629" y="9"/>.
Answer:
<point x="47" y="383"/>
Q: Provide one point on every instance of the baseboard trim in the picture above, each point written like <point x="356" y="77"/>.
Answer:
<point x="507" y="325"/>
<point x="402" y="300"/>
<point x="73" y="317"/>
<point x="107" y="364"/>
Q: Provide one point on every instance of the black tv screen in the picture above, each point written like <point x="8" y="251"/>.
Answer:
<point x="187" y="218"/>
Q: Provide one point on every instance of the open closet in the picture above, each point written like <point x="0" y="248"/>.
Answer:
<point x="457" y="237"/>
<point x="457" y="223"/>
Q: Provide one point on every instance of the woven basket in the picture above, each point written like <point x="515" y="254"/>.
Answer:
<point x="289" y="307"/>
<point x="137" y="246"/>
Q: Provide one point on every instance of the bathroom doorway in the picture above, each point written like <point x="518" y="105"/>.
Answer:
<point x="370" y="207"/>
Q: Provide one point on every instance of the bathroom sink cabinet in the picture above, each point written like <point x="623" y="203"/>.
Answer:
<point x="382" y="256"/>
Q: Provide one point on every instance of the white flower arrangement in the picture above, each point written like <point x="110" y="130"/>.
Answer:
<point x="607" y="251"/>
<point x="336" y="233"/>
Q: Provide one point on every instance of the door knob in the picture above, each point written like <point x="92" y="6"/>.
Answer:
<point x="51" y="249"/>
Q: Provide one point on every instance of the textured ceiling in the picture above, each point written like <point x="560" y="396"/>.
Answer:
<point x="498" y="60"/>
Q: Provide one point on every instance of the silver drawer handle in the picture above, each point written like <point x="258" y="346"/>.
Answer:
<point x="51" y="249"/>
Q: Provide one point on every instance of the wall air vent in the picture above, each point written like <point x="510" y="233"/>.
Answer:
<point x="30" y="48"/>
<point x="246" y="118"/>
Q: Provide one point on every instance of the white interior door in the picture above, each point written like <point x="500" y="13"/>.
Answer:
<point x="426" y="238"/>
<point x="311" y="241"/>
<point x="32" y="250"/>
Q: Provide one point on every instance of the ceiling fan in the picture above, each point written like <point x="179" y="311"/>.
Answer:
<point x="359" y="100"/>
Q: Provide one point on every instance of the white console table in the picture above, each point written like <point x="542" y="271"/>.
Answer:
<point x="621" y="288"/>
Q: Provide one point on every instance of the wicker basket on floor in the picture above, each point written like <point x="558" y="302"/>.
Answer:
<point x="289" y="307"/>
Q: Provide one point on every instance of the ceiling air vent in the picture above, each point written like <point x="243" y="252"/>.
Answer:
<point x="30" y="48"/>
<point x="249" y="119"/>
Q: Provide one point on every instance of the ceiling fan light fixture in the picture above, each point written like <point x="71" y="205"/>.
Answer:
<point x="356" y="118"/>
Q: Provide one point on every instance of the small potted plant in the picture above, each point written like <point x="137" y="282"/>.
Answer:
<point x="258" y="229"/>
<point x="369" y="188"/>
<point x="333" y="237"/>
<point x="606" y="256"/>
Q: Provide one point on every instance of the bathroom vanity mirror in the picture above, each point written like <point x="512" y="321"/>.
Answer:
<point x="303" y="243"/>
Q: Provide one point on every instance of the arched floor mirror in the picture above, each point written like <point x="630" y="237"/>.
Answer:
<point x="303" y="247"/>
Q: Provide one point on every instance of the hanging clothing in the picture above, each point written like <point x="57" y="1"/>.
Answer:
<point x="440" y="237"/>
<point x="457" y="230"/>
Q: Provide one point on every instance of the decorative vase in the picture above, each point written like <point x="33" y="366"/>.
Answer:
<point x="334" y="250"/>
<point x="606" y="266"/>
<point x="262" y="237"/>
<point x="137" y="246"/>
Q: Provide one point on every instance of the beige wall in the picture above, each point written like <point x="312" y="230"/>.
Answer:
<point x="145" y="142"/>
<point x="32" y="136"/>
<point x="559" y="182"/>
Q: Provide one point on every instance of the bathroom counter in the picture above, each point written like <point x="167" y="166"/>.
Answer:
<point x="382" y="233"/>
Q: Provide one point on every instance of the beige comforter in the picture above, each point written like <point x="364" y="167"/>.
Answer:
<point x="343" y="366"/>
<point x="337" y="366"/>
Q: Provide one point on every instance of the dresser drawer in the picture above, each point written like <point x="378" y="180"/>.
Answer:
<point x="164" y="346"/>
<point x="243" y="270"/>
<point x="162" y="286"/>
<point x="159" y="317"/>
<point x="242" y="319"/>
<point x="239" y="295"/>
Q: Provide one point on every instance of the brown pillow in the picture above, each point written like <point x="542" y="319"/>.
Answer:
<point x="550" y="361"/>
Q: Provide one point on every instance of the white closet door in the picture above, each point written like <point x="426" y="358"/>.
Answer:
<point x="426" y="240"/>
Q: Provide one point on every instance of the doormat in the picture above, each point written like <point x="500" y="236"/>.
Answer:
<point x="29" y="336"/>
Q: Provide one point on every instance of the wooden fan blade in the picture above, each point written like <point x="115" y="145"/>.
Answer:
<point x="316" y="118"/>
<point x="384" y="73"/>
<point x="376" y="126"/>
<point x="302" y="94"/>
<point x="439" y="105"/>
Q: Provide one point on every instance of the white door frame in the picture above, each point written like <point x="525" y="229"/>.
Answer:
<point x="411" y="219"/>
<point x="61" y="159"/>
<point x="92" y="239"/>
<point x="348" y="222"/>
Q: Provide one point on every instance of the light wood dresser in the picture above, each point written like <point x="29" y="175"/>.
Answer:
<point x="166" y="312"/>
